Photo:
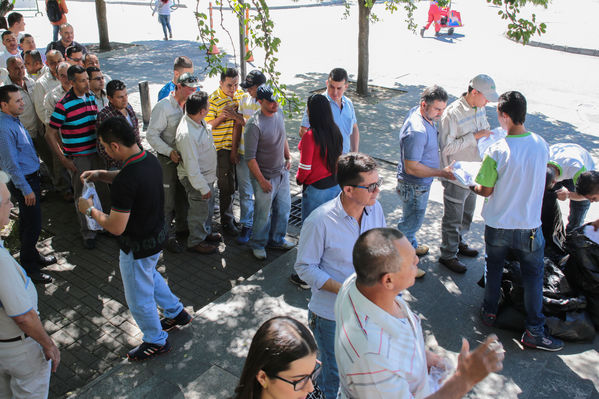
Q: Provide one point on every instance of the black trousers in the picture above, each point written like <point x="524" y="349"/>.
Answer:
<point x="30" y="224"/>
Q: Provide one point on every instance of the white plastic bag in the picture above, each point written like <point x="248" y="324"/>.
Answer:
<point x="89" y="191"/>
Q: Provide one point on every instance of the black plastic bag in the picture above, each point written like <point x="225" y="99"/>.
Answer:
<point x="577" y="326"/>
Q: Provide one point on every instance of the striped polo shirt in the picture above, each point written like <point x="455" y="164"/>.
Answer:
<point x="223" y="133"/>
<point x="75" y="117"/>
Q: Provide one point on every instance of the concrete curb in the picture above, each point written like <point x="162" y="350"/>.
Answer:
<point x="560" y="47"/>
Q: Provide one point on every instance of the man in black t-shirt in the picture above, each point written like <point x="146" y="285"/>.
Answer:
<point x="137" y="218"/>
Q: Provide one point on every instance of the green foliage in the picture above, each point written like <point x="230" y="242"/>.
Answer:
<point x="520" y="29"/>
<point x="260" y="35"/>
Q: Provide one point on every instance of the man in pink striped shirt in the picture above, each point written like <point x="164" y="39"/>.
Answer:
<point x="379" y="346"/>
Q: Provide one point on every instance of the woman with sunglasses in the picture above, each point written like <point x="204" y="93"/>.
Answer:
<point x="319" y="149"/>
<point x="281" y="363"/>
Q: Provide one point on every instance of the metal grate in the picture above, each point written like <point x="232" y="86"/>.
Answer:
<point x="295" y="216"/>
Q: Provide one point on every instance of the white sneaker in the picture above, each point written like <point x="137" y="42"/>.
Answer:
<point x="259" y="254"/>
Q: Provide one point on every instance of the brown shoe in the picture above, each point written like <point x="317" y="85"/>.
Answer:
<point x="453" y="264"/>
<point x="420" y="273"/>
<point x="463" y="249"/>
<point x="422" y="250"/>
<point x="203" y="248"/>
<point x="214" y="237"/>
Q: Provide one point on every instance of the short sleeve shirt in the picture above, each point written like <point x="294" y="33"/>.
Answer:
<point x="418" y="141"/>
<point x="137" y="190"/>
<point x="571" y="160"/>
<point x="17" y="294"/>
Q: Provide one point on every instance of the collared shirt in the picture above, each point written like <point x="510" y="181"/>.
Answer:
<point x="166" y="90"/>
<point x="101" y="100"/>
<point x="108" y="112"/>
<point x="29" y="117"/>
<point x="571" y="160"/>
<point x="17" y="294"/>
<point x="5" y="55"/>
<point x="165" y="118"/>
<point x="40" y="73"/>
<point x="456" y="132"/>
<point x="17" y="154"/>
<point x="325" y="249"/>
<point x="223" y="133"/>
<point x="378" y="355"/>
<point x="418" y="141"/>
<point x="76" y="119"/>
<point x="345" y="118"/>
<point x="50" y="101"/>
<point x="194" y="143"/>
<point x="43" y="86"/>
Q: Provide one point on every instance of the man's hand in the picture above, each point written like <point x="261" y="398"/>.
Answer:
<point x="69" y="164"/>
<point x="476" y="365"/>
<point x="482" y="133"/>
<point x="595" y="224"/>
<point x="30" y="199"/>
<point x="83" y="204"/>
<point x="90" y="175"/>
<point x="234" y="156"/>
<point x="287" y="164"/>
<point x="563" y="194"/>
<point x="266" y="186"/>
<point x="231" y="113"/>
<point x="447" y="172"/>
<point x="435" y="360"/>
<point x="207" y="195"/>
<point x="175" y="157"/>
<point x="52" y="353"/>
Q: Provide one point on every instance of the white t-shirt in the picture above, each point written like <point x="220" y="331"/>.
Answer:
<point x="516" y="168"/>
<point x="571" y="160"/>
<point x="247" y="107"/>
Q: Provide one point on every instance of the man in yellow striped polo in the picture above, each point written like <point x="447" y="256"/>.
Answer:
<point x="222" y="116"/>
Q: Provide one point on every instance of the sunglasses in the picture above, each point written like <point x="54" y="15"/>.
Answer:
<point x="371" y="187"/>
<point x="301" y="383"/>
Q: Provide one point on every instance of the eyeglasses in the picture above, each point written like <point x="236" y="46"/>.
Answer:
<point x="371" y="187"/>
<point x="301" y="383"/>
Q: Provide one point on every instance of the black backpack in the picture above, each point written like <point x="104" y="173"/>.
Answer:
<point x="53" y="10"/>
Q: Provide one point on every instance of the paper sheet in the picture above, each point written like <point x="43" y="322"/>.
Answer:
<point x="465" y="172"/>
<point x="89" y="191"/>
<point x="484" y="143"/>
<point x="591" y="234"/>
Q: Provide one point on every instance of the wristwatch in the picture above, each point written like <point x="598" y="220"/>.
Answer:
<point x="88" y="212"/>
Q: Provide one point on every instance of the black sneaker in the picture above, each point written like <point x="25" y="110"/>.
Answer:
<point x="541" y="341"/>
<point x="488" y="319"/>
<point x="295" y="279"/>
<point x="147" y="351"/>
<point x="182" y="319"/>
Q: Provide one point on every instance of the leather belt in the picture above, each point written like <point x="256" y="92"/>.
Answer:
<point x="15" y="339"/>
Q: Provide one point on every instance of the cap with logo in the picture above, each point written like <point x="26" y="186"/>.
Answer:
<point x="189" y="80"/>
<point x="486" y="85"/>
<point x="254" y="78"/>
<point x="264" y="92"/>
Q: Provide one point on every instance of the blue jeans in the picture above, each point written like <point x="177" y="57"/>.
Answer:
<point x="144" y="288"/>
<point x="246" y="194"/>
<point x="55" y="29"/>
<point x="271" y="212"/>
<point x="413" y="199"/>
<point x="165" y="21"/>
<point x="578" y="211"/>
<point x="324" y="333"/>
<point x="528" y="247"/>
<point x="313" y="197"/>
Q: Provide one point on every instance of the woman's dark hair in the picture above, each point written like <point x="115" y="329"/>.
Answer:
<point x="325" y="131"/>
<point x="278" y="342"/>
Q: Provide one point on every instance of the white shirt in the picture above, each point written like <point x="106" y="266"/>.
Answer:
<point x="247" y="107"/>
<point x="571" y="160"/>
<point x="165" y="118"/>
<point x="516" y="168"/>
<point x="378" y="355"/>
<point x="43" y="86"/>
<point x="50" y="100"/>
<point x="196" y="146"/>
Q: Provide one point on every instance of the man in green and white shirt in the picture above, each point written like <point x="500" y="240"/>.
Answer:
<point x="512" y="177"/>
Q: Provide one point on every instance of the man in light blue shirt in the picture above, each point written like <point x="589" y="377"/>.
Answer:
<point x="19" y="160"/>
<point x="182" y="65"/>
<point x="342" y="109"/>
<point x="324" y="258"/>
<point x="419" y="163"/>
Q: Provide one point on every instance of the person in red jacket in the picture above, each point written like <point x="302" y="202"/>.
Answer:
<point x="62" y="4"/>
<point x="434" y="15"/>
<point x="319" y="149"/>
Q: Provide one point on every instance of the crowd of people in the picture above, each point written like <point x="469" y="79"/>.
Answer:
<point x="60" y="110"/>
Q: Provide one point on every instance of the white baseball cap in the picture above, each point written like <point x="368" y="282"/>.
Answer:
<point x="486" y="85"/>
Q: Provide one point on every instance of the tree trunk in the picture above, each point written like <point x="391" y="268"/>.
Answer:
<point x="363" y="33"/>
<point x="102" y="24"/>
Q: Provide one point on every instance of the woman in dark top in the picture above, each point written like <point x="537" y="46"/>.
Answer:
<point x="281" y="363"/>
<point x="319" y="149"/>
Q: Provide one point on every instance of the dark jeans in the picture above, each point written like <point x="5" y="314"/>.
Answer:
<point x="225" y="174"/>
<point x="527" y="245"/>
<point x="578" y="209"/>
<point x="30" y="224"/>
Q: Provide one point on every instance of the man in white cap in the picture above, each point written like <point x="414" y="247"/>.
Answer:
<point x="463" y="123"/>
